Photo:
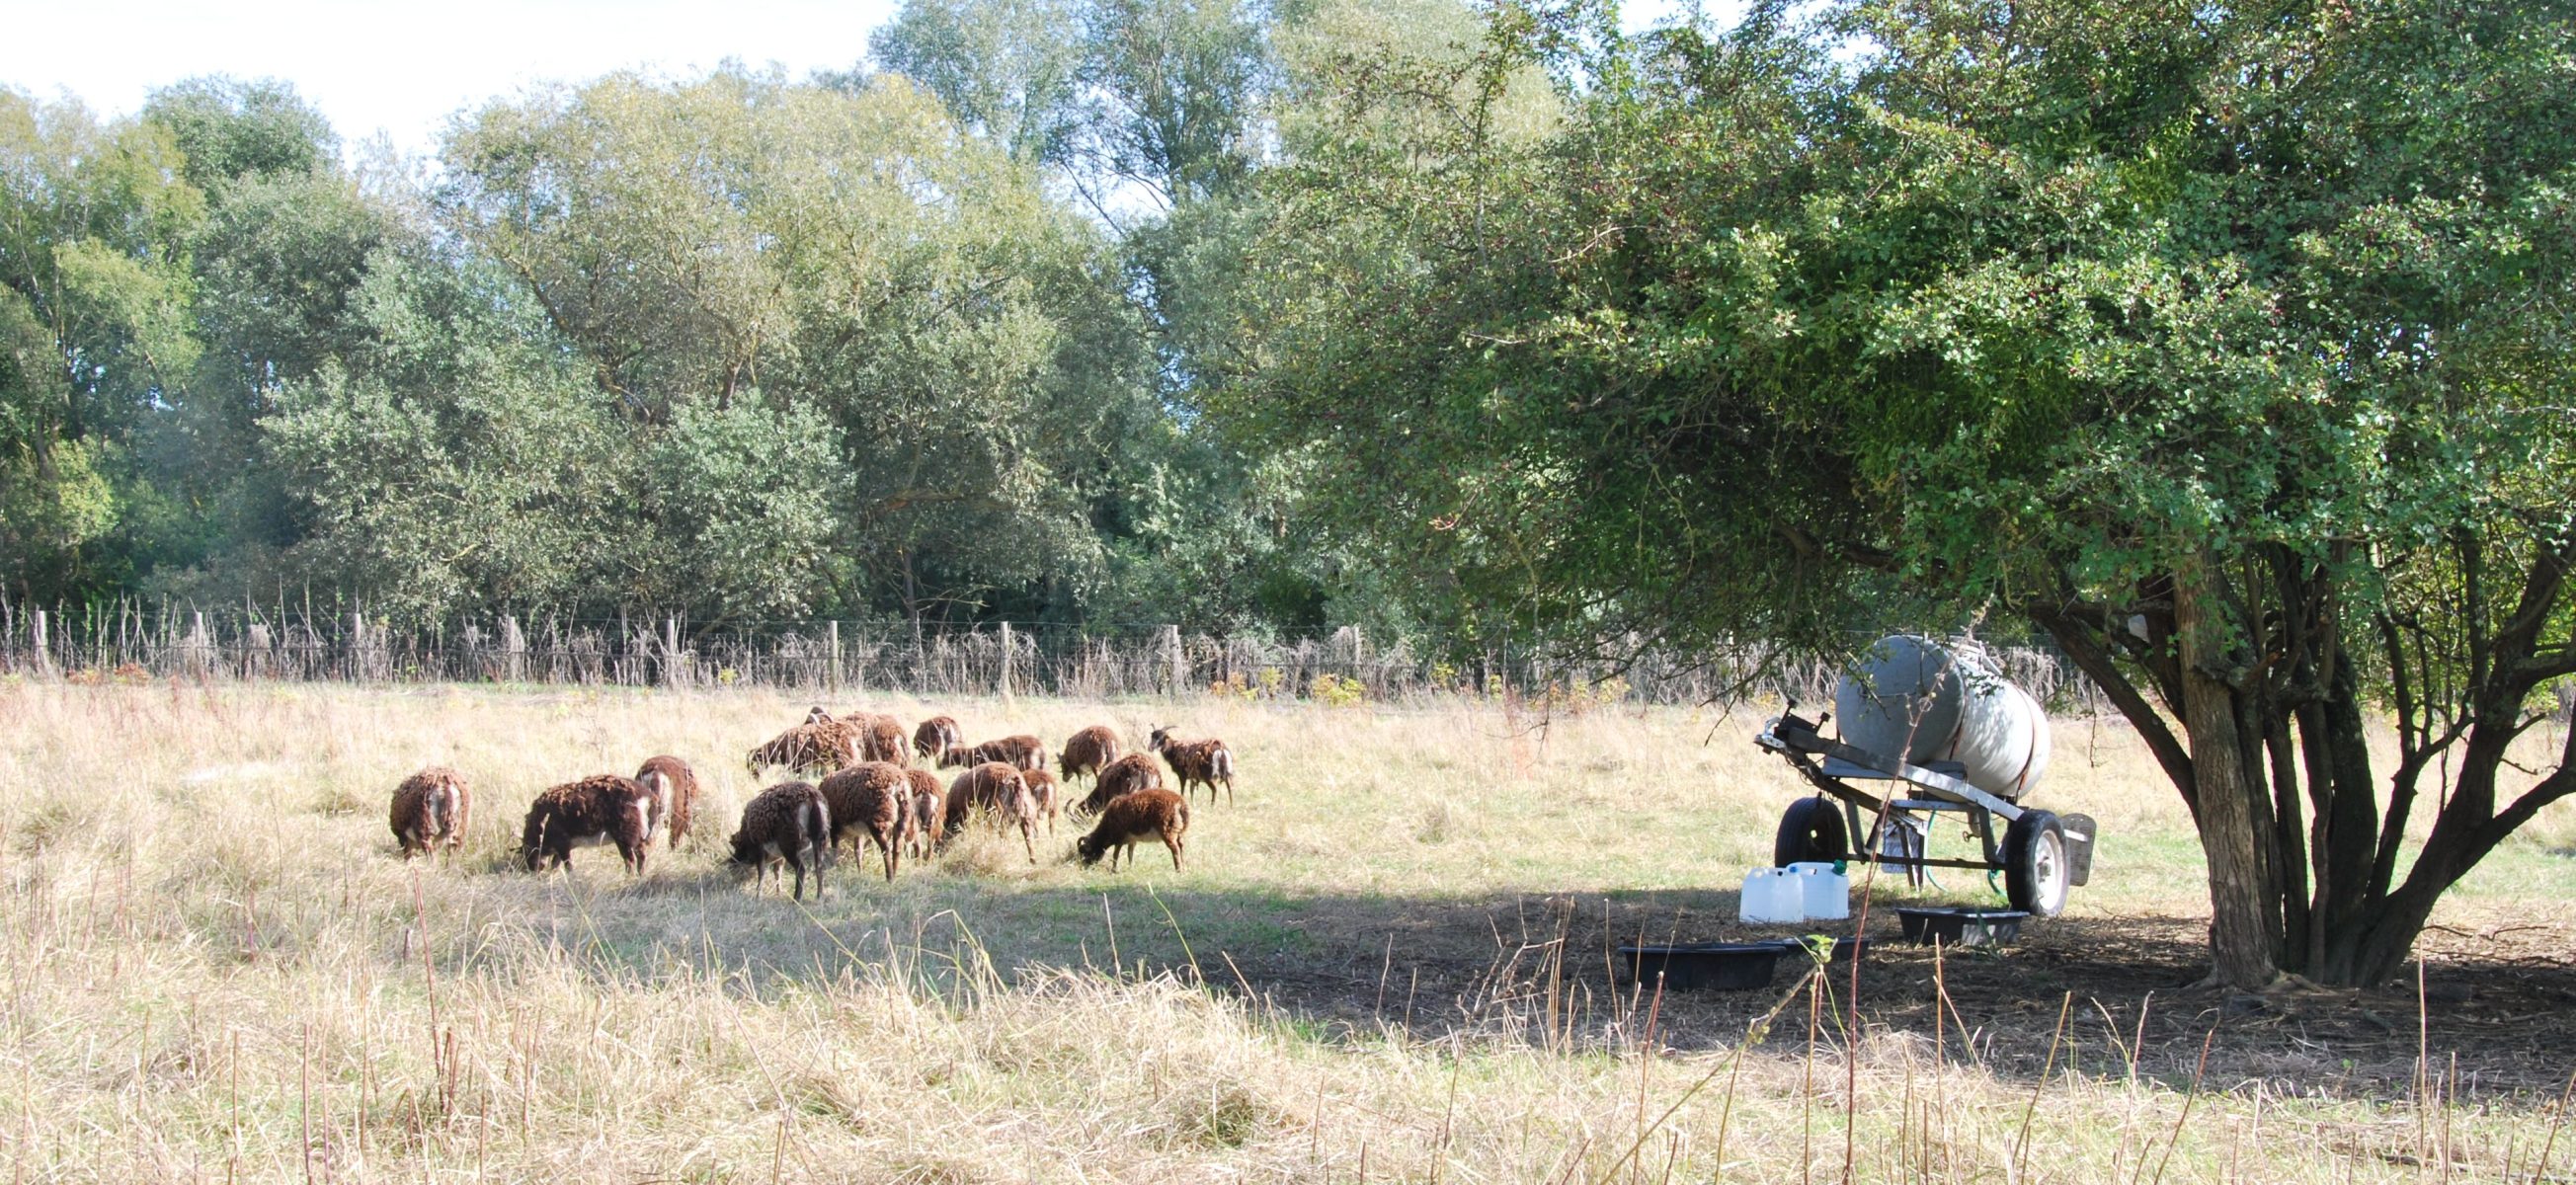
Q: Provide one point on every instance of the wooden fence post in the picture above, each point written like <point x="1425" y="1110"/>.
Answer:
<point x="671" y="676"/>
<point x="1178" y="663"/>
<point x="515" y="644"/>
<point x="832" y="673"/>
<point x="44" y="655"/>
<point x="1008" y="650"/>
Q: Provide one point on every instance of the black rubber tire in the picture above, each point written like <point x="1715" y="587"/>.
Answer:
<point x="2035" y="868"/>
<point x="1811" y="830"/>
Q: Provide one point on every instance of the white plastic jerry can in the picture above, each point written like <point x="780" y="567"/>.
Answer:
<point x="1772" y="895"/>
<point x="1823" y="893"/>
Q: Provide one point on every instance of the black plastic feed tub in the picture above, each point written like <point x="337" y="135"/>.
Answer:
<point x="1724" y="966"/>
<point x="1956" y="926"/>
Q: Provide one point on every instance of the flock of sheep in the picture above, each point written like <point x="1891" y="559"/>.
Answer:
<point x="869" y="785"/>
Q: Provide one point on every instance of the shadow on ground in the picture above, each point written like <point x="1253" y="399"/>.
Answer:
<point x="1348" y="965"/>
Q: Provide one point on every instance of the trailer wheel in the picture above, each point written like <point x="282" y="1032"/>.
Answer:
<point x="2035" y="868"/>
<point x="1810" y="830"/>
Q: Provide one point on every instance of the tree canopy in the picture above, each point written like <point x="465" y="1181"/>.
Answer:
<point x="2224" y="348"/>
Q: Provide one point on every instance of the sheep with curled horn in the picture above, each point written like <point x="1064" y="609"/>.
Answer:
<point x="1206" y="763"/>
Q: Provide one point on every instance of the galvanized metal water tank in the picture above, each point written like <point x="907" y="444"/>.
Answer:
<point x="1918" y="699"/>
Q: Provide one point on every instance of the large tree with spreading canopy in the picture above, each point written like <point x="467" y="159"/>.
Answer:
<point x="2227" y="347"/>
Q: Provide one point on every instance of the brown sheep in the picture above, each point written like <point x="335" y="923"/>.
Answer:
<point x="675" y="795"/>
<point x="1145" y="814"/>
<point x="929" y="811"/>
<point x="1046" y="793"/>
<point x="599" y="809"/>
<point x="1003" y="792"/>
<point x="817" y="747"/>
<point x="879" y="736"/>
<point x="937" y="735"/>
<point x="1124" y="776"/>
<point x="1019" y="752"/>
<point x="1086" y="752"/>
<point x="1205" y="762"/>
<point x="875" y="797"/>
<point x="430" y="811"/>
<point x="787" y="822"/>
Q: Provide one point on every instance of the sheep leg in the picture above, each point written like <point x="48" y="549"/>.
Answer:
<point x="1029" y="839"/>
<point x="1172" y="840"/>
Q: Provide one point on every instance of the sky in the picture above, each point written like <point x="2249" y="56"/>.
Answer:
<point x="404" y="69"/>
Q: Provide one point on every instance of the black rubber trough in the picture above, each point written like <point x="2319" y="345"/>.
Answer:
<point x="1956" y="926"/>
<point x="1724" y="966"/>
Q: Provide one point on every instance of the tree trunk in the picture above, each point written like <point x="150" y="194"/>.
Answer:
<point x="2244" y="898"/>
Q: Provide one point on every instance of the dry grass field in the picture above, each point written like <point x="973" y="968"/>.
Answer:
<point x="1389" y="960"/>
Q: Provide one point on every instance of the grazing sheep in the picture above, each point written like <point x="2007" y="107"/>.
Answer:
<point x="1001" y="790"/>
<point x="929" y="811"/>
<point x="1205" y="762"/>
<point x="599" y="809"/>
<point x="937" y="735"/>
<point x="1087" y="751"/>
<point x="787" y="822"/>
<point x="815" y="747"/>
<point x="881" y="738"/>
<point x="1124" y="776"/>
<point x="430" y="810"/>
<point x="675" y="795"/>
<point x="1020" y="752"/>
<point x="1046" y="793"/>
<point x="875" y="797"/>
<point x="1145" y="814"/>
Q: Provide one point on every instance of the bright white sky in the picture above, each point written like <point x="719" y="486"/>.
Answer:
<point x="404" y="69"/>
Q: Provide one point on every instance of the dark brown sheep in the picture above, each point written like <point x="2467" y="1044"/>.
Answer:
<point x="600" y="809"/>
<point x="1204" y="763"/>
<point x="1128" y="774"/>
<point x="1087" y="752"/>
<point x="675" y="795"/>
<point x="936" y="735"/>
<point x="1019" y="752"/>
<point x="430" y="811"/>
<point x="1000" y="790"/>
<point x="787" y="822"/>
<point x="929" y="812"/>
<point x="874" y="797"/>
<point x="1145" y="814"/>
<point x="819" y="748"/>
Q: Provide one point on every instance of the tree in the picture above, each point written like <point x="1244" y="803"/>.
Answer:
<point x="842" y="259"/>
<point x="2218" y="346"/>
<point x="94" y="318"/>
<point x="1005" y="68"/>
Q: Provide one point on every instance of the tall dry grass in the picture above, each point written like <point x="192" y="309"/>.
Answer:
<point x="212" y="967"/>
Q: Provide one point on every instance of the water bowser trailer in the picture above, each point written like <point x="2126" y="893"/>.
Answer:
<point x="1923" y="728"/>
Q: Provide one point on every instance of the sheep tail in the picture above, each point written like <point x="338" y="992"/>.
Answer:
<point x="660" y="784"/>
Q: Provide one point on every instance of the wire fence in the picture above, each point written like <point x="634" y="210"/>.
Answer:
<point x="131" y="640"/>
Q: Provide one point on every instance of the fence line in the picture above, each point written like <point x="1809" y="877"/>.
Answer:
<point x="132" y="639"/>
